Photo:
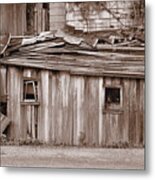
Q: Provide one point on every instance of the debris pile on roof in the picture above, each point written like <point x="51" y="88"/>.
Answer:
<point x="90" y="54"/>
<point x="119" y="40"/>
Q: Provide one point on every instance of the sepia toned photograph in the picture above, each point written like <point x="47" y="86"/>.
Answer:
<point x="72" y="84"/>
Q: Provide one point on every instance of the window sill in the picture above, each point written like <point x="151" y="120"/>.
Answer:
<point x="113" y="111"/>
<point x="24" y="103"/>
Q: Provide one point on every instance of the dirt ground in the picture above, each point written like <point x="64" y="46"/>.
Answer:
<point x="72" y="157"/>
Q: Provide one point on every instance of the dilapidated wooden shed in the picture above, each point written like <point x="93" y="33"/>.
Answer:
<point x="62" y="90"/>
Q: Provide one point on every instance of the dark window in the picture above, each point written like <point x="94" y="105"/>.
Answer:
<point x="30" y="90"/>
<point x="112" y="95"/>
<point x="46" y="5"/>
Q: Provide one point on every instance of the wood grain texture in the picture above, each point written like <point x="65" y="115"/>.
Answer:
<point x="59" y="104"/>
<point x="77" y="101"/>
<point x="142" y="120"/>
<point x="126" y="103"/>
<point x="132" y="115"/>
<point x="92" y="111"/>
<point x="13" y="18"/>
<point x="44" y="127"/>
<point x="107" y="68"/>
<point x="13" y="108"/>
<point x="57" y="16"/>
<point x="71" y="109"/>
<point x="3" y="82"/>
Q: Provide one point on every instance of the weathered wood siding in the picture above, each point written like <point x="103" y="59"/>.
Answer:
<point x="125" y="125"/>
<point x="3" y="93"/>
<point x="41" y="18"/>
<point x="57" y="16"/>
<point x="13" y="106"/>
<point x="45" y="16"/>
<point x="71" y="109"/>
<point x="13" y="19"/>
<point x="115" y="14"/>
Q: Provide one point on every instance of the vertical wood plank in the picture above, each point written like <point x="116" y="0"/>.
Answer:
<point x="59" y="110"/>
<point x="53" y="92"/>
<point x="126" y="104"/>
<point x="132" y="116"/>
<point x="61" y="125"/>
<point x="44" y="126"/>
<point x="77" y="115"/>
<point x="29" y="121"/>
<point x="67" y="125"/>
<point x="33" y="122"/>
<point x="13" y="108"/>
<point x="23" y="119"/>
<point x="138" y="121"/>
<point x="3" y="83"/>
<point x="142" y="111"/>
<point x="92" y="111"/>
<point x="101" y="105"/>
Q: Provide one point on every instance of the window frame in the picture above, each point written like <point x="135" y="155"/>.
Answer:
<point x="36" y="94"/>
<point x="113" y="106"/>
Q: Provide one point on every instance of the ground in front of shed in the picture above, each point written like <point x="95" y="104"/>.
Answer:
<point x="72" y="157"/>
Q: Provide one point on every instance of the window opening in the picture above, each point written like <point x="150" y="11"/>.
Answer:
<point x="30" y="90"/>
<point x="112" y="95"/>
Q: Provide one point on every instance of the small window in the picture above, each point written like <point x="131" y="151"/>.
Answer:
<point x="113" y="98"/>
<point x="30" y="90"/>
<point x="45" y="5"/>
<point x="112" y="95"/>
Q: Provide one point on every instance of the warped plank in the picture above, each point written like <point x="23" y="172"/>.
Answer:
<point x="4" y="122"/>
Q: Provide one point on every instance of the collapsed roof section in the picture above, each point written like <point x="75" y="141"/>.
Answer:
<point x="117" y="53"/>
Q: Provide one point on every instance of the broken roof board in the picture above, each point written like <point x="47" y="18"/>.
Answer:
<point x="64" y="52"/>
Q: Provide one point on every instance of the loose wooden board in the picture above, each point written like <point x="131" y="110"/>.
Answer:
<point x="4" y="42"/>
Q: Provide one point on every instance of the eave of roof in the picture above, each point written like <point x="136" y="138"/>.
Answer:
<point x="82" y="65"/>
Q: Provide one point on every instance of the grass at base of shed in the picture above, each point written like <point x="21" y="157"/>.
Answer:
<point x="30" y="142"/>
